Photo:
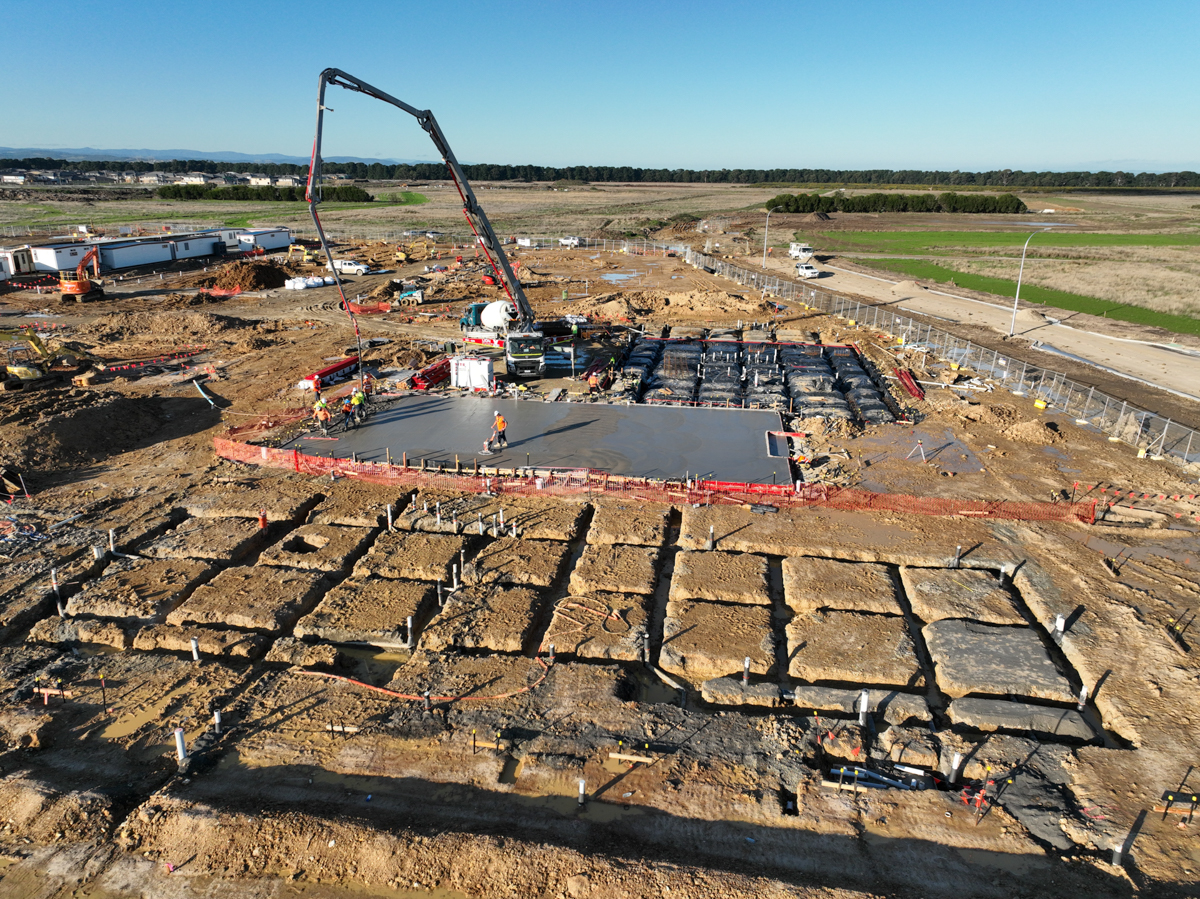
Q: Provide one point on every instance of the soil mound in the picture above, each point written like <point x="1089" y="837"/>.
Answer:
<point x="154" y="327"/>
<point x="705" y="304"/>
<point x="248" y="276"/>
<point x="1039" y="433"/>
<point x="816" y="217"/>
<point x="1001" y="415"/>
<point x="906" y="287"/>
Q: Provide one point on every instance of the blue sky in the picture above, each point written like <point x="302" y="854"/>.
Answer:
<point x="971" y="85"/>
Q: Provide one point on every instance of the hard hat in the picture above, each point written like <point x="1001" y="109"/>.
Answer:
<point x="497" y="413"/>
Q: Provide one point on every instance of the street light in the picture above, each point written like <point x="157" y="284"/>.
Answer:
<point x="1021" y="271"/>
<point x="767" y="228"/>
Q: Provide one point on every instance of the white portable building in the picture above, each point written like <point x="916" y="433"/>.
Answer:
<point x="128" y="255"/>
<point x="60" y="258"/>
<point x="195" y="245"/>
<point x="16" y="260"/>
<point x="266" y="238"/>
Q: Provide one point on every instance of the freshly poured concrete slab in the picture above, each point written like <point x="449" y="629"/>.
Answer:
<point x="530" y="563"/>
<point x="998" y="714"/>
<point x="611" y="568"/>
<point x="600" y="626"/>
<point x="640" y="524"/>
<point x="970" y="658"/>
<point x="810" y="584"/>
<point x="374" y="611"/>
<point x="937" y="593"/>
<point x="224" y="540"/>
<point x="256" y="598"/>
<point x="707" y="640"/>
<point x="495" y="618"/>
<point x="721" y="577"/>
<point x="412" y="555"/>
<point x="851" y="648"/>
<point x="319" y="547"/>
<point x="645" y="441"/>
<point x="140" y="589"/>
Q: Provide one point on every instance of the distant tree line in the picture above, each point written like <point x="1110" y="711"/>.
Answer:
<point x="425" y="171"/>
<point x="343" y="194"/>
<point x="927" y="202"/>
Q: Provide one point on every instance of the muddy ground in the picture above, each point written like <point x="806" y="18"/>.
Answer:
<point x="332" y="772"/>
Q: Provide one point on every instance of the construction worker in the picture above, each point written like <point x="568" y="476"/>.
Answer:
<point x="358" y="400"/>
<point x="347" y="413"/>
<point x="321" y="415"/>
<point x="593" y="384"/>
<point x="500" y="431"/>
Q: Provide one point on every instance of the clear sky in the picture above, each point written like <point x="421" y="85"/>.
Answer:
<point x="968" y="84"/>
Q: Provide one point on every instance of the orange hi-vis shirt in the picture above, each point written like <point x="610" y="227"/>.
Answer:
<point x="501" y="424"/>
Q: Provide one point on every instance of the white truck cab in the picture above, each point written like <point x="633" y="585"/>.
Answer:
<point x="349" y="266"/>
<point x="801" y="252"/>
<point x="805" y="270"/>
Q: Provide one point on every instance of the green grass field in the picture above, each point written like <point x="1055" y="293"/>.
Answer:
<point x="928" y="271"/>
<point x="403" y="198"/>
<point x="922" y="243"/>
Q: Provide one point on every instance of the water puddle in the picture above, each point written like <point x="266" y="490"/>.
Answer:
<point x="511" y="770"/>
<point x="374" y="666"/>
<point x="127" y="725"/>
<point x="618" y="277"/>
<point x="940" y="446"/>
<point x="1021" y="865"/>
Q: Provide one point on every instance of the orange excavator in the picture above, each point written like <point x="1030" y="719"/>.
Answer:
<point x="79" y="286"/>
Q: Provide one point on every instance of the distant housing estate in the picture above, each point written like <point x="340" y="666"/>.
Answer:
<point x="62" y="176"/>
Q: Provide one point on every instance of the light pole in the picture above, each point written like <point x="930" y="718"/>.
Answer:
<point x="766" y="229"/>
<point x="1021" y="271"/>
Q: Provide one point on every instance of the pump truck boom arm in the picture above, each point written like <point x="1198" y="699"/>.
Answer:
<point x="471" y="209"/>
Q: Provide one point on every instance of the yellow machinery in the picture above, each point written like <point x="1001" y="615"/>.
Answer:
<point x="300" y="253"/>
<point x="26" y="358"/>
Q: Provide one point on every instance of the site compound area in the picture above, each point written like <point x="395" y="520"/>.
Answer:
<point x="747" y="613"/>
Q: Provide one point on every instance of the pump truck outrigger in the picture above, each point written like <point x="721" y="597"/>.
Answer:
<point x="524" y="343"/>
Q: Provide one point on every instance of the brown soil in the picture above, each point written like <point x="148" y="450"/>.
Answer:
<point x="533" y="563"/>
<point x="640" y="525"/>
<point x="721" y="577"/>
<point x="370" y="610"/>
<point x="852" y="648"/>
<point x="249" y="276"/>
<point x="140" y="589"/>
<point x="412" y="555"/>
<point x="218" y="540"/>
<point x="352" y="504"/>
<point x="252" y="598"/>
<point x="811" y="584"/>
<point x="972" y="658"/>
<point x="319" y="547"/>
<point x="609" y="568"/>
<point x="599" y="626"/>
<point x="495" y="618"/>
<point x="704" y="640"/>
<point x="958" y="593"/>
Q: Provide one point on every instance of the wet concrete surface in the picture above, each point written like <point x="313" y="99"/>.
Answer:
<point x="659" y="442"/>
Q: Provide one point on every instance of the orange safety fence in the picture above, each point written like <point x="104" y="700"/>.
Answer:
<point x="533" y="481"/>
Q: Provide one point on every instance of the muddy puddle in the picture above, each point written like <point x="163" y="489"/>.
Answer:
<point x="371" y="665"/>
<point x="939" y="445"/>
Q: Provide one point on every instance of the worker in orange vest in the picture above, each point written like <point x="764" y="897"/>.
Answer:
<point x="500" y="431"/>
<point x="593" y="384"/>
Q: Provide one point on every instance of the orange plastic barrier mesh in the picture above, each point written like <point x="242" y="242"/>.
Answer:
<point x="575" y="482"/>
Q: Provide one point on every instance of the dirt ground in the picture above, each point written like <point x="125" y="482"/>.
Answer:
<point x="332" y="775"/>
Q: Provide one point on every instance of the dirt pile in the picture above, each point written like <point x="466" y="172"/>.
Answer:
<point x="692" y="304"/>
<point x="155" y="327"/>
<point x="815" y="217"/>
<point x="1039" y="433"/>
<point x="249" y="276"/>
<point x="906" y="287"/>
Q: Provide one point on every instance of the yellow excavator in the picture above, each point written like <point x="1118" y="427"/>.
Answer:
<point x="27" y="360"/>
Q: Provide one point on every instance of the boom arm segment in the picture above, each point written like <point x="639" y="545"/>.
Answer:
<point x="471" y="209"/>
<point x="92" y="255"/>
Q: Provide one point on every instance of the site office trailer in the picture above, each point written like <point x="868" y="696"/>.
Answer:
<point x="265" y="238"/>
<point x="195" y="245"/>
<point x="16" y="260"/>
<point x="128" y="255"/>
<point x="61" y="258"/>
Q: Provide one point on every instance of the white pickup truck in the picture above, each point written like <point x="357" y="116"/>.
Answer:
<point x="349" y="267"/>
<point x="568" y="241"/>
<point x="804" y="270"/>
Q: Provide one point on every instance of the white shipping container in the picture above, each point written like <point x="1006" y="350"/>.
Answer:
<point x="17" y="260"/>
<point x="471" y="372"/>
